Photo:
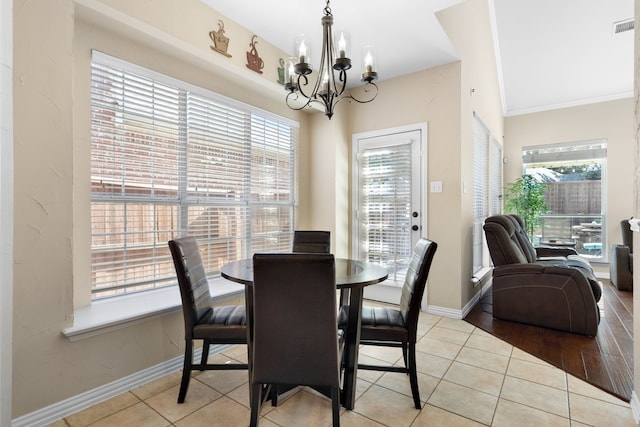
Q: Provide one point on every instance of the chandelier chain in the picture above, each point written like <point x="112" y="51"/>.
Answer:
<point x="327" y="9"/>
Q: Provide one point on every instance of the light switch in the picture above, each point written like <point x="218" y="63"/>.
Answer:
<point x="436" y="186"/>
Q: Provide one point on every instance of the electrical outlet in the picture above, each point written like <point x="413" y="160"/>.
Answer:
<point x="436" y="186"/>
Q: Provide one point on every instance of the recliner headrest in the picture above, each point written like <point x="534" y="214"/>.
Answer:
<point x="504" y="221"/>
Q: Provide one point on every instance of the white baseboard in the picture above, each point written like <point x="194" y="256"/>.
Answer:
<point x="57" y="411"/>
<point x="635" y="407"/>
<point x="452" y="313"/>
<point x="444" y="312"/>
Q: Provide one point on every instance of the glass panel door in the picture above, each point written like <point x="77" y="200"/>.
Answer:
<point x="389" y="213"/>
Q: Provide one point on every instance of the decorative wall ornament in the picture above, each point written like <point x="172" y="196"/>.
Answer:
<point x="220" y="41"/>
<point x="281" y="72"/>
<point x="254" y="62"/>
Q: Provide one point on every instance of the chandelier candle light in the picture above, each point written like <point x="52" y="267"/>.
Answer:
<point x="329" y="89"/>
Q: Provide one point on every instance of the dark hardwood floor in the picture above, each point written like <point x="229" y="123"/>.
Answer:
<point x="605" y="361"/>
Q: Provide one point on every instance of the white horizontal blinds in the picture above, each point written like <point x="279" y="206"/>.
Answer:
<point x="568" y="151"/>
<point x="496" y="178"/>
<point x="134" y="187"/>
<point x="217" y="178"/>
<point x="386" y="207"/>
<point x="169" y="159"/>
<point x="480" y="187"/>
<point x="272" y="189"/>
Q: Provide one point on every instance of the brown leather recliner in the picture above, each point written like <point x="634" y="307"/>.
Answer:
<point x="546" y="286"/>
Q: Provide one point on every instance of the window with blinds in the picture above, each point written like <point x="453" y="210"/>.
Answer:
<point x="495" y="167"/>
<point x="385" y="206"/>
<point x="170" y="159"/>
<point x="480" y="188"/>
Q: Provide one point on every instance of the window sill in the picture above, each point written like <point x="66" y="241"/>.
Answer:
<point x="116" y="313"/>
<point x="481" y="276"/>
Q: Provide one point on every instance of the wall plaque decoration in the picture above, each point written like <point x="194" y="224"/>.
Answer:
<point x="281" y="72"/>
<point x="220" y="41"/>
<point x="254" y="62"/>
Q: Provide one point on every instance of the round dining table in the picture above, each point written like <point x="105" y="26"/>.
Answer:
<point x="352" y="276"/>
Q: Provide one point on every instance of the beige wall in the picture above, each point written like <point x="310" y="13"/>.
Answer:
<point x="442" y="97"/>
<point x="611" y="120"/>
<point x="431" y="96"/>
<point x="43" y="94"/>
<point x="52" y="45"/>
<point x="468" y="25"/>
<point x="52" y="39"/>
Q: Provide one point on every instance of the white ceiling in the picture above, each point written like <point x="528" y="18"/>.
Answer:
<point x="551" y="53"/>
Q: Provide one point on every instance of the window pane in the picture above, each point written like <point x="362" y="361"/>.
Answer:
<point x="169" y="159"/>
<point x="386" y="207"/>
<point x="480" y="189"/>
<point x="574" y="177"/>
<point x="129" y="246"/>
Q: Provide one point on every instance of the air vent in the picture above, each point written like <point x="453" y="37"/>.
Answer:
<point x="622" y="26"/>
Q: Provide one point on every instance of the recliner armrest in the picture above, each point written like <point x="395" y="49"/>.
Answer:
<point x="551" y="251"/>
<point x="621" y="267"/>
<point x="556" y="297"/>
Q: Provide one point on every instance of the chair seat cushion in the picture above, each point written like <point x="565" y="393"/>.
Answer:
<point x="223" y="323"/>
<point x="378" y="324"/>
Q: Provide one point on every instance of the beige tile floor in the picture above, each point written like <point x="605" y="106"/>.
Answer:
<point x="467" y="378"/>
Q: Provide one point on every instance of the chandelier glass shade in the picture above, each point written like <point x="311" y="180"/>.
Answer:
<point x="330" y="86"/>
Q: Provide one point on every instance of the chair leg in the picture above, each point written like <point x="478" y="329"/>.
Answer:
<point x="256" y="404"/>
<point x="186" y="370"/>
<point x="413" y="376"/>
<point x="404" y="354"/>
<point x="205" y="353"/>
<point x="335" y="406"/>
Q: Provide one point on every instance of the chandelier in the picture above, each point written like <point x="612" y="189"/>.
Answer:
<point x="331" y="85"/>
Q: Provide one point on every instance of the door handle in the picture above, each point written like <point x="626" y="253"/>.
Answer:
<point x="415" y="227"/>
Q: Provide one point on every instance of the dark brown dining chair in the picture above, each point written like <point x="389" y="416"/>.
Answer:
<point x="202" y="321"/>
<point x="312" y="241"/>
<point x="392" y="327"/>
<point x="295" y="330"/>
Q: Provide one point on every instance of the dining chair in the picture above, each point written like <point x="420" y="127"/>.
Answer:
<point x="295" y="330"/>
<point x="312" y="241"/>
<point x="202" y="321"/>
<point x="390" y="327"/>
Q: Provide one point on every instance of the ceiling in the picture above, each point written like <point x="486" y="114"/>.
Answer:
<point x="551" y="53"/>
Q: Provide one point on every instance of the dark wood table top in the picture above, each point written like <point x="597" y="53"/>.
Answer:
<point x="350" y="273"/>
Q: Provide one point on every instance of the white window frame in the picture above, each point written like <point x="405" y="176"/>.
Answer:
<point x="487" y="190"/>
<point x="266" y="188"/>
<point x="584" y="150"/>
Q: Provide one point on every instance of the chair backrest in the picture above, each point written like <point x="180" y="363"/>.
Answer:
<point x="295" y="327"/>
<point x="627" y="234"/>
<point x="506" y="241"/>
<point x="312" y="241"/>
<point x="522" y="237"/>
<point x="415" y="282"/>
<point x="192" y="280"/>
